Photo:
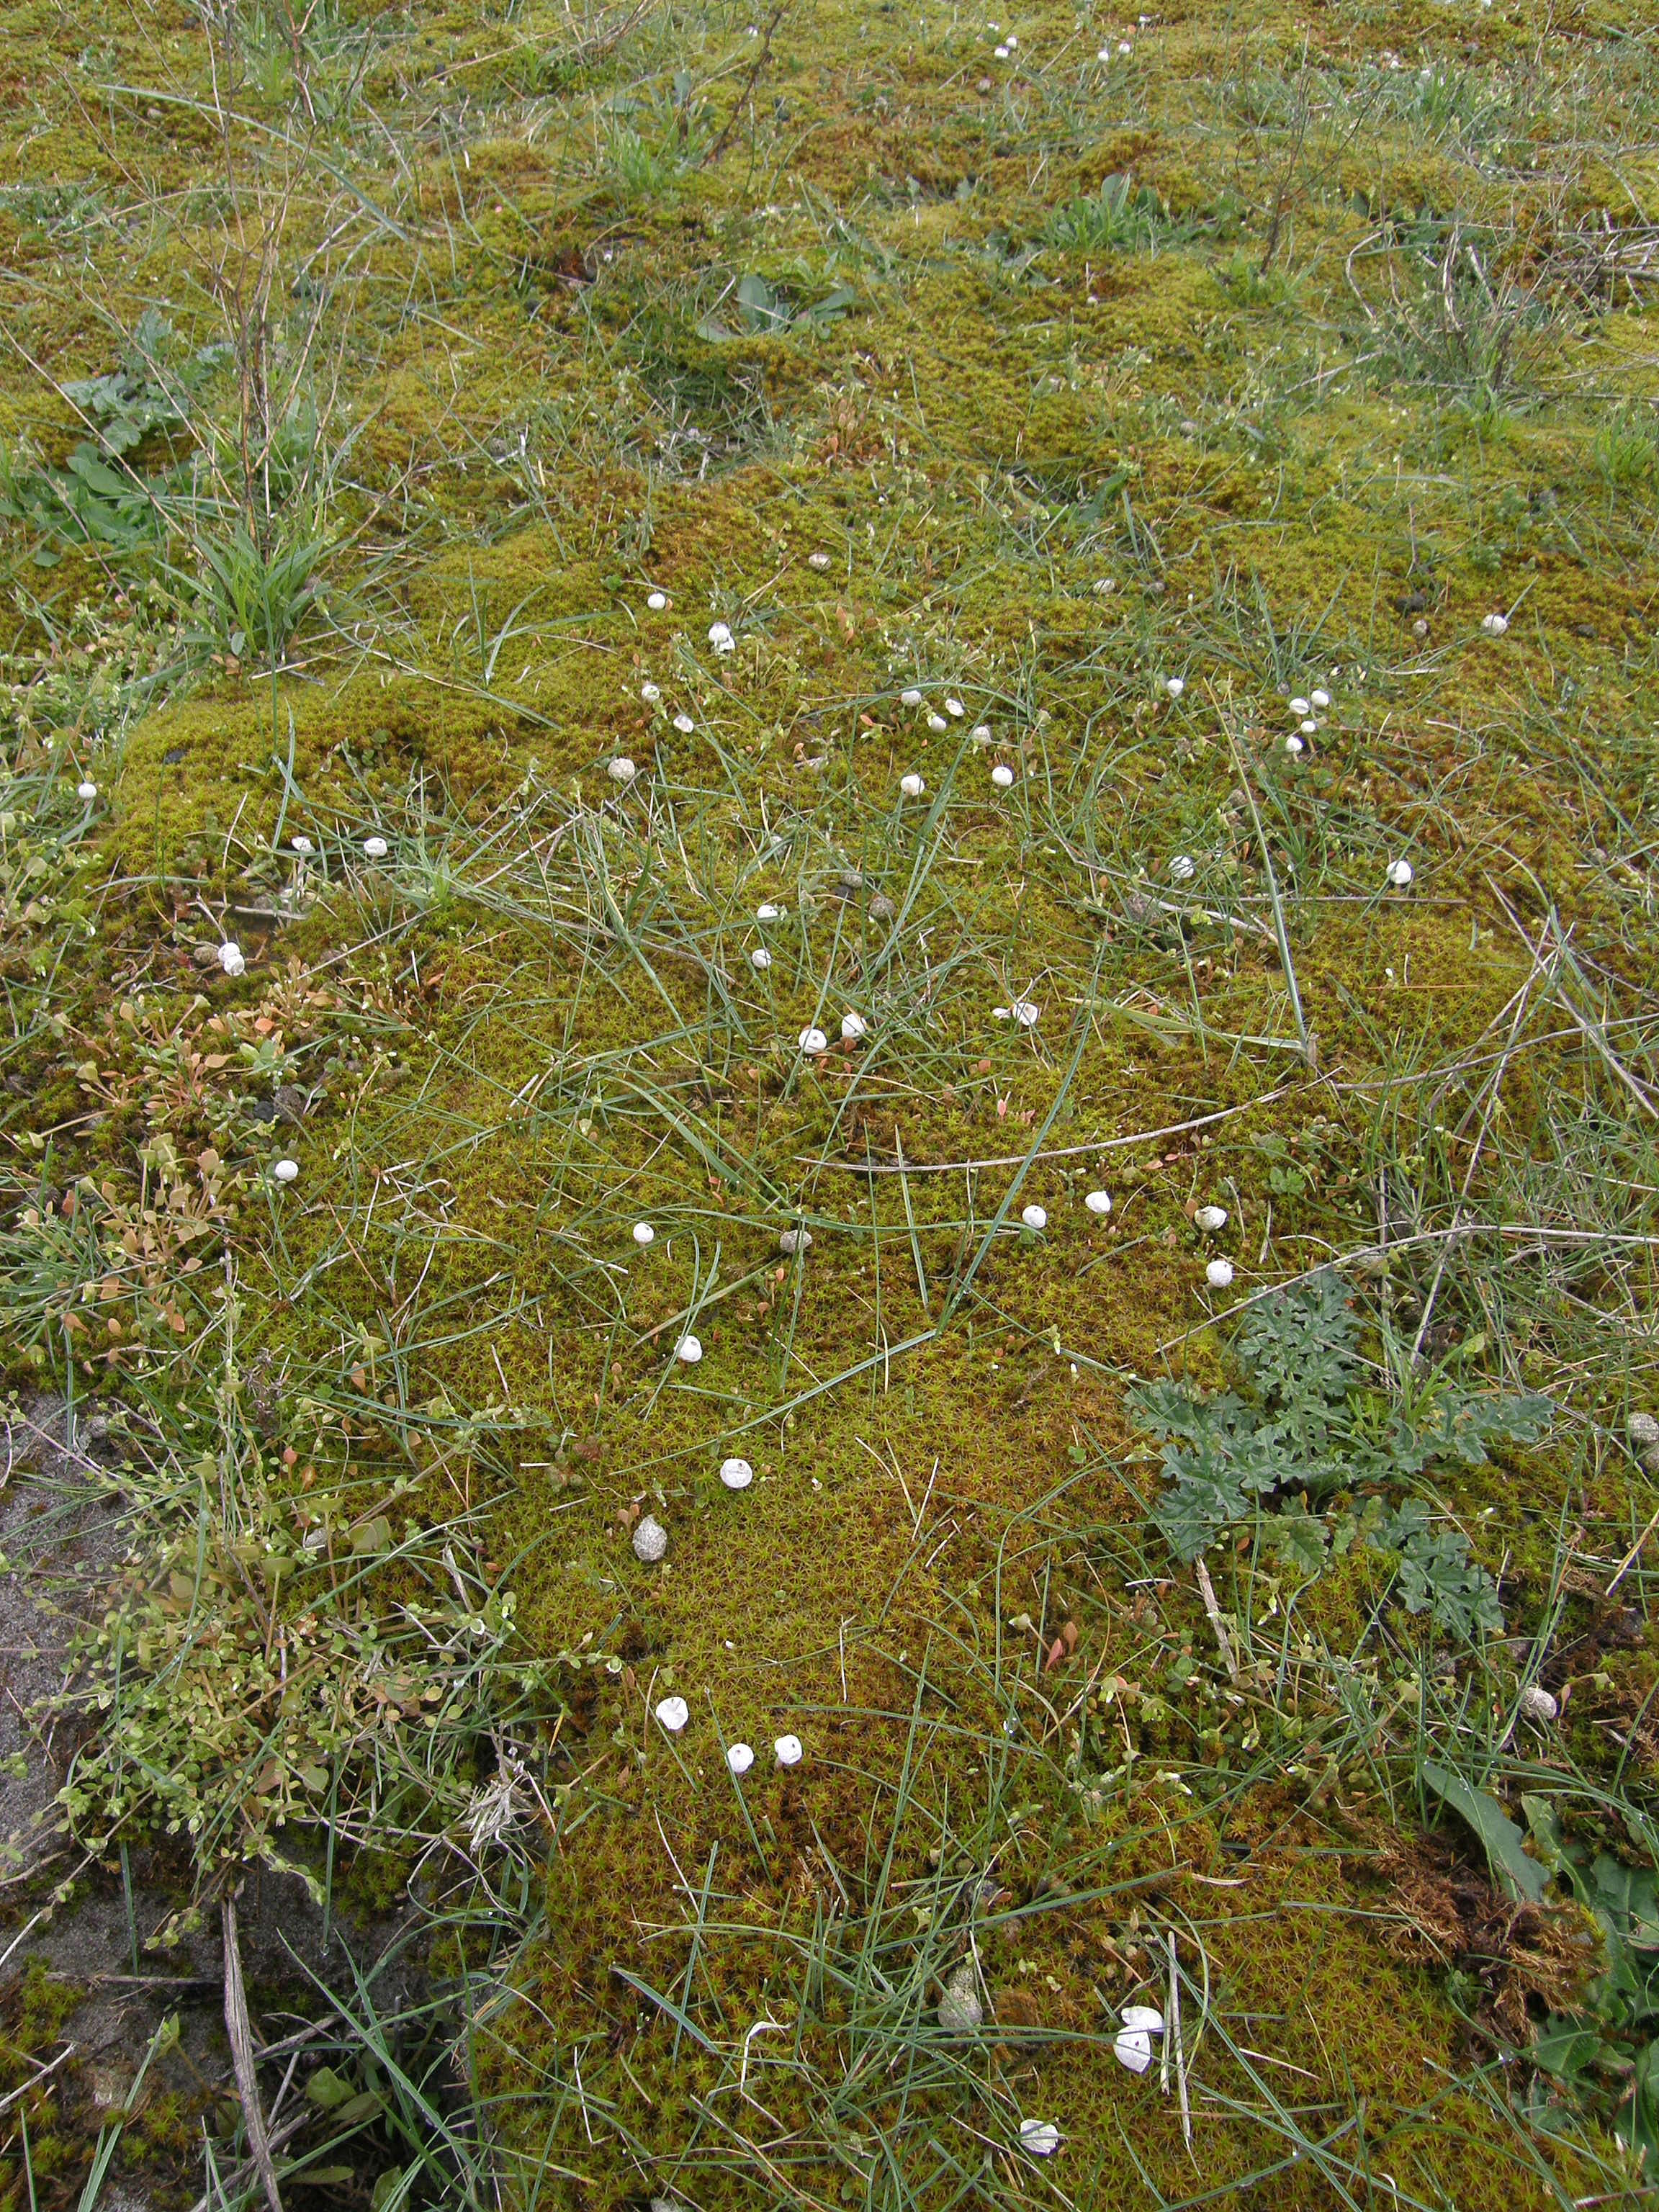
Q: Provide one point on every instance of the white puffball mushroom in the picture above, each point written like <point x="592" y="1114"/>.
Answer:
<point x="1183" y="868"/>
<point x="287" y="1170"/>
<point x="912" y="786"/>
<point x="739" y="1757"/>
<point x="1034" y="1217"/>
<point x="960" y="2011"/>
<point x="88" y="791"/>
<point x="1133" y="2047"/>
<point x="685" y="725"/>
<point x="1147" y="2018"/>
<point x="302" y="846"/>
<point x="656" y="601"/>
<point x="767" y="912"/>
<point x="788" y="1751"/>
<point x="622" y="769"/>
<point x="1209" y="1217"/>
<point x="1494" y="625"/>
<point x="1002" y="775"/>
<point x="1026" y="1012"/>
<point x="1320" y="699"/>
<point x="1400" y="874"/>
<point x="650" y="693"/>
<point x="650" y="1541"/>
<point x="689" y="1350"/>
<point x="955" y="708"/>
<point x="1537" y="1704"/>
<point x="1001" y="52"/>
<point x="1218" y="1275"/>
<point x="814" y="1042"/>
<point x="737" y="1474"/>
<point x="1175" y="685"/>
<point x="936" y="724"/>
<point x="1293" y="744"/>
<point x="673" y="1713"/>
<point x="1301" y="709"/>
<point x="376" y="849"/>
<point x="759" y="957"/>
<point x="817" y="559"/>
<point x="644" y="1233"/>
<point x="981" y="734"/>
<point x="853" y="1027"/>
<point x="1040" y="2137"/>
<point x="720" y="637"/>
<point x="1099" y="1201"/>
<point x="792" y="1240"/>
<point x="910" y="698"/>
<point x="232" y="958"/>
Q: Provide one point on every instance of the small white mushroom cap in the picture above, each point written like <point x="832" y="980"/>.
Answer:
<point x="689" y="1350"/>
<point x="1183" y="867"/>
<point x="622" y="769"/>
<point x="853" y="1027"/>
<point x="814" y="1042"/>
<point x="817" y="559"/>
<point x="1143" y="2016"/>
<point x="644" y="1233"/>
<point x="759" y="957"/>
<point x="912" y="785"/>
<point x="1175" y="685"/>
<point x="1218" y="1275"/>
<point x="287" y="1170"/>
<point x="960" y="2011"/>
<point x="1133" y="2047"/>
<point x="685" y="725"/>
<point x="791" y="1241"/>
<point x="737" y="1474"/>
<point x="1401" y="873"/>
<point x="650" y="1541"/>
<point x="650" y="693"/>
<point x="1209" y="1217"/>
<point x="232" y="958"/>
<point x="673" y="1714"/>
<point x="1098" y="1202"/>
<point x="1040" y="2137"/>
<point x="656" y="601"/>
<point x="1034" y="1217"/>
<point x="88" y="791"/>
<point x="720" y="637"/>
<point x="376" y="849"/>
<point x="1537" y="1704"/>
<point x="910" y="698"/>
<point x="1002" y="775"/>
<point x="788" y="1751"/>
<point x="739" y="1757"/>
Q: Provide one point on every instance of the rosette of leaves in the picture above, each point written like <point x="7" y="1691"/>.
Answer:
<point x="1308" y="1422"/>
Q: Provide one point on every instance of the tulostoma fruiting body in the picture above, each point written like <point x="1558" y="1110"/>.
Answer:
<point x="1219" y="1275"/>
<point x="787" y="1751"/>
<point x="689" y="1350"/>
<point x="1099" y="1201"/>
<point x="287" y="1170"/>
<point x="232" y="958"/>
<point x="1034" y="1217"/>
<point x="673" y="1713"/>
<point x="737" y="1474"/>
<point x="1209" y="1217"/>
<point x="739" y="1757"/>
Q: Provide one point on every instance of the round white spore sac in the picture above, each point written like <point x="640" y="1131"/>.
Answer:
<point x="787" y="1751"/>
<point x="1040" y="2137"/>
<point x="1026" y="1012"/>
<point x="689" y="1350"/>
<point x="1003" y="776"/>
<point x="791" y="1241"/>
<point x="87" y="790"/>
<point x="912" y="785"/>
<point x="1209" y="1217"/>
<point x="910" y="698"/>
<point x="673" y="1713"/>
<point x="644" y="1233"/>
<point x="767" y="912"/>
<point x="1034" y="1217"/>
<point x="814" y="1042"/>
<point x="376" y="849"/>
<point x="981" y="734"/>
<point x="287" y="1170"/>
<point x="720" y="637"/>
<point x="759" y="957"/>
<point x="817" y="559"/>
<point x="737" y="1474"/>
<point x="685" y="725"/>
<point x="1218" y="1275"/>
<point x="232" y="958"/>
<point x="650" y="693"/>
<point x="1183" y="868"/>
<point x="1494" y="625"/>
<point x="1175" y="685"/>
<point x="936" y="724"/>
<point x="650" y="1541"/>
<point x="1148" y="2018"/>
<point x="853" y="1027"/>
<point x="1098" y="1202"/>
<point x="1320" y="699"/>
<point x="1400" y="874"/>
<point x="1133" y="2047"/>
<point x="739" y="1757"/>
<point x="622" y="769"/>
<point x="656" y="601"/>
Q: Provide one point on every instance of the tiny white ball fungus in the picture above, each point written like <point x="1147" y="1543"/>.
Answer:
<point x="955" y="708"/>
<point x="788" y="1751"/>
<point x="1040" y="2137"/>
<point x="232" y="958"/>
<point x="814" y="1042"/>
<point x="287" y="1170"/>
<point x="1320" y="699"/>
<point x="650" y="693"/>
<point x="759" y="957"/>
<point x="1099" y="1201"/>
<point x="817" y="559"/>
<point x="644" y="1233"/>
<point x="1183" y="868"/>
<point x="912" y="786"/>
<point x="720" y="637"/>
<point x="981" y="734"/>
<point x="1175" y="685"/>
<point x="1002" y="775"/>
<point x="650" y="1541"/>
<point x="853" y="1027"/>
<point x="88" y="791"/>
<point x="936" y="724"/>
<point x="689" y="1350"/>
<point x="1210" y="1218"/>
<point x="1034" y="1217"/>
<point x="685" y="725"/>
<point x="1218" y="1275"/>
<point x="737" y="1474"/>
<point x="673" y="1714"/>
<point x="1301" y="709"/>
<point x="622" y="769"/>
<point x="1537" y="1704"/>
<point x="912" y="698"/>
<point x="1494" y="625"/>
<point x="376" y="849"/>
<point x="656" y="601"/>
<point x="1400" y="874"/>
<point x="739" y="1757"/>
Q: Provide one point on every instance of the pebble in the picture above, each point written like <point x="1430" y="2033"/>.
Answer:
<point x="737" y="1474"/>
<point x="650" y="1541"/>
<point x="960" y="2011"/>
<point x="673" y="1713"/>
<point x="1644" y="1430"/>
<point x="1537" y="1704"/>
<point x="791" y="1241"/>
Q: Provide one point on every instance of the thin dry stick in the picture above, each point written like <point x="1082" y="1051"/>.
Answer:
<point x="1172" y="2041"/>
<point x="1207" y="1591"/>
<point x="1055" y="1152"/>
<point x="241" y="2032"/>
